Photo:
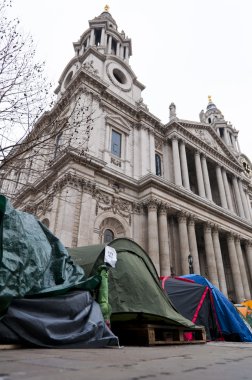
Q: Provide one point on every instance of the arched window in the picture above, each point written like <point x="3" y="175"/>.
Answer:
<point x="158" y="164"/>
<point x="108" y="236"/>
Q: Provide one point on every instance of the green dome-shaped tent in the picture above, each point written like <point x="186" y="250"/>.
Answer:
<point x="134" y="288"/>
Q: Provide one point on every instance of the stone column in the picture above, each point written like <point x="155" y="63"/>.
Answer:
<point x="153" y="245"/>
<point x="238" y="197"/>
<point x="118" y="49"/>
<point x="219" y="261"/>
<point x="206" y="178"/>
<point x="109" y="44"/>
<point x="248" y="205"/>
<point x="244" y="277"/>
<point x="199" y="175"/>
<point x="164" y="251"/>
<point x="183" y="242"/>
<point x="243" y="199"/>
<point x="127" y="54"/>
<point x="121" y="51"/>
<point x="221" y="187"/>
<point x="210" y="257"/>
<point x="103" y="37"/>
<point x="193" y="245"/>
<point x="248" y="247"/>
<point x="176" y="162"/>
<point x="92" y="40"/>
<point x="184" y="167"/>
<point x="235" y="268"/>
<point x="225" y="132"/>
<point x="227" y="190"/>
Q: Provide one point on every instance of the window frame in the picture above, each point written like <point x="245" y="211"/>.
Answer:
<point x="113" y="152"/>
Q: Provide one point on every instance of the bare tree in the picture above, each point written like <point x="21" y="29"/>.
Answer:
<point x="30" y="138"/>
<point x="24" y="91"/>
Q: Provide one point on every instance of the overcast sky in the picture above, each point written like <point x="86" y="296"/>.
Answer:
<point x="183" y="50"/>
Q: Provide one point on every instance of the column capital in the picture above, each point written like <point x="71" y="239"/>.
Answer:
<point x="237" y="237"/>
<point x="248" y="243"/>
<point x="152" y="203"/>
<point x="163" y="208"/>
<point x="231" y="236"/>
<point x="137" y="208"/>
<point x="216" y="228"/>
<point x="183" y="216"/>
<point x="191" y="220"/>
<point x="208" y="226"/>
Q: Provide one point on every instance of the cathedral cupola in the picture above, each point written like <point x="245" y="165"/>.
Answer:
<point x="213" y="114"/>
<point x="223" y="128"/>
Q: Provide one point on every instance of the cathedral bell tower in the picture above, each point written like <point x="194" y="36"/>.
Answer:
<point x="104" y="52"/>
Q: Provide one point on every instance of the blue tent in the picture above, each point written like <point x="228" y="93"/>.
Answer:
<point x="231" y="323"/>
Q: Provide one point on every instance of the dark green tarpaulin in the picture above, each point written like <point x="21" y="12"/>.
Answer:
<point x="134" y="287"/>
<point x="32" y="260"/>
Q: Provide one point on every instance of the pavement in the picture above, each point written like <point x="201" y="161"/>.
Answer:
<point x="213" y="360"/>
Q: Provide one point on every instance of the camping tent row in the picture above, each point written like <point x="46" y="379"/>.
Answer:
<point x="36" y="269"/>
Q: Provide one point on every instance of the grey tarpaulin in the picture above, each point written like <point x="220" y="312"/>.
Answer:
<point x="72" y="320"/>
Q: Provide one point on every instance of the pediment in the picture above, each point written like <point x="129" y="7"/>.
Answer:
<point x="210" y="138"/>
<point x="118" y="122"/>
<point x="206" y="137"/>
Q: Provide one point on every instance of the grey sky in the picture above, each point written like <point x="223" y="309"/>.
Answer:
<point x="183" y="50"/>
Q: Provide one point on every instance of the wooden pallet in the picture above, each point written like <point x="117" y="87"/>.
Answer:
<point x="154" y="335"/>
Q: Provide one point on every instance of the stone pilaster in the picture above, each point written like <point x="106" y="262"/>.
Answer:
<point x="199" y="175"/>
<point x="193" y="245"/>
<point x="176" y="162"/>
<point x="210" y="256"/>
<point x="219" y="261"/>
<point x="164" y="250"/>
<point x="153" y="244"/>
<point x="235" y="268"/>
<point x="244" y="277"/>
<point x="183" y="242"/>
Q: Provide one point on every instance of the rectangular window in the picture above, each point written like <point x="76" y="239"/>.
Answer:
<point x="116" y="143"/>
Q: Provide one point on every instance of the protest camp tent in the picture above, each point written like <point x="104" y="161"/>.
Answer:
<point x="135" y="292"/>
<point x="44" y="297"/>
<point x="194" y="302"/>
<point x="232" y="325"/>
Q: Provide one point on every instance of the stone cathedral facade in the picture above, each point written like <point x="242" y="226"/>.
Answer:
<point x="182" y="190"/>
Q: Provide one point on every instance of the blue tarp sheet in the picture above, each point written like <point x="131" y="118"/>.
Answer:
<point x="230" y="321"/>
